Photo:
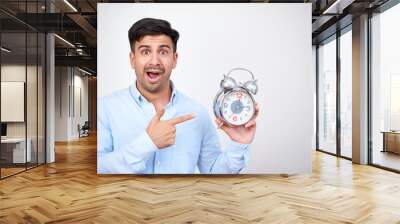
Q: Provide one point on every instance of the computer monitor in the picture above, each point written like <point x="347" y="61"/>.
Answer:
<point x="3" y="129"/>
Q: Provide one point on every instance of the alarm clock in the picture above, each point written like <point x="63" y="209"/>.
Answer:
<point x="234" y="103"/>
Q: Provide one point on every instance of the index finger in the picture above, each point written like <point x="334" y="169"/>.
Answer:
<point x="181" y="119"/>
<point x="257" y="110"/>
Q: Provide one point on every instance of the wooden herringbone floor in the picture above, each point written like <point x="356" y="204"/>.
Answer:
<point x="70" y="191"/>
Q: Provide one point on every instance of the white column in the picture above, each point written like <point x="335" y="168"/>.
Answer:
<point x="360" y="90"/>
<point x="50" y="92"/>
<point x="50" y="108"/>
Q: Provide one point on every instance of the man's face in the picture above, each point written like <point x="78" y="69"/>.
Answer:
<point x="153" y="59"/>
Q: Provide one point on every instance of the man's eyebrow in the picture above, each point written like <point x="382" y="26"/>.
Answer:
<point x="164" y="45"/>
<point x="144" y="46"/>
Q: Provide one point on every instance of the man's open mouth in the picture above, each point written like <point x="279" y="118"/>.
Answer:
<point x="153" y="76"/>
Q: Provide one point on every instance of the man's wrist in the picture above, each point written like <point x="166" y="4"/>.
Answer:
<point x="240" y="141"/>
<point x="239" y="144"/>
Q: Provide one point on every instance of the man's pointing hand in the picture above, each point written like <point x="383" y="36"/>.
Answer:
<point x="163" y="133"/>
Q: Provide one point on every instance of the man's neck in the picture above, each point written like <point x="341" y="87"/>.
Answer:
<point x="160" y="98"/>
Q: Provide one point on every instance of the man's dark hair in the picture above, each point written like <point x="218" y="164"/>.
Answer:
<point x="152" y="27"/>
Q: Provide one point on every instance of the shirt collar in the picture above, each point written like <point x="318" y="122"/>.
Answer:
<point x="140" y="99"/>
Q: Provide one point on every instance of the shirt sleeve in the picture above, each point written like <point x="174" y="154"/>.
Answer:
<point x="129" y="159"/>
<point x="213" y="160"/>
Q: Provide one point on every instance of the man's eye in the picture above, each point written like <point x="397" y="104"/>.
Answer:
<point x="146" y="52"/>
<point x="163" y="52"/>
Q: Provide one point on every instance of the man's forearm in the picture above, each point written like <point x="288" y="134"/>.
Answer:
<point x="232" y="160"/>
<point x="130" y="158"/>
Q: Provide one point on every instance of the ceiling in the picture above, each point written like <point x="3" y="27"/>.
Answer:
<point x="76" y="22"/>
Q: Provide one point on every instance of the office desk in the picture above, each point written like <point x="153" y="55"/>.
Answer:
<point x="13" y="150"/>
<point x="391" y="141"/>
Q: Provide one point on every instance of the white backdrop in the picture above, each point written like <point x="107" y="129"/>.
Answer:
<point x="271" y="40"/>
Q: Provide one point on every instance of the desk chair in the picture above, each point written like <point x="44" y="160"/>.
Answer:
<point x="84" y="130"/>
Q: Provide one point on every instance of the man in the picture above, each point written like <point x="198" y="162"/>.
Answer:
<point x="151" y="127"/>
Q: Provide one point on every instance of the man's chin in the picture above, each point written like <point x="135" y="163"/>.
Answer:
<point x="152" y="87"/>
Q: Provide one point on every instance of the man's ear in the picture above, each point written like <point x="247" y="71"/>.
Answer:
<point x="132" y="59"/>
<point x="175" y="59"/>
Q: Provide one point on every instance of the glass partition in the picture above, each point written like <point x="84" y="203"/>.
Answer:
<point x="22" y="77"/>
<point x="13" y="105"/>
<point x="41" y="91"/>
<point x="31" y="100"/>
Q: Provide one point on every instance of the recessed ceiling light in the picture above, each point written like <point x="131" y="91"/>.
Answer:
<point x="84" y="71"/>
<point x="5" y="50"/>
<point x="64" y="40"/>
<point x="338" y="6"/>
<point x="70" y="5"/>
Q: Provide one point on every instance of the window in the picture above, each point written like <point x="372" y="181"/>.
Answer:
<point x="327" y="96"/>
<point x="346" y="93"/>
<point x="385" y="89"/>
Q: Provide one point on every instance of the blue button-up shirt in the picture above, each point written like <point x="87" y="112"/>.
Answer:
<point x="125" y="147"/>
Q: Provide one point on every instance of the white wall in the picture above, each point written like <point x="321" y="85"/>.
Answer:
<point x="79" y="117"/>
<point x="67" y="116"/>
<point x="314" y="73"/>
<point x="272" y="40"/>
<point x="61" y="103"/>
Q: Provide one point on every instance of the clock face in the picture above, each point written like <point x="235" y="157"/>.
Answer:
<point x="237" y="107"/>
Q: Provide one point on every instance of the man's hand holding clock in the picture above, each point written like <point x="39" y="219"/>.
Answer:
<point x="242" y="134"/>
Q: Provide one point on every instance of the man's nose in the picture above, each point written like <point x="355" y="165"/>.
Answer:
<point x="155" y="59"/>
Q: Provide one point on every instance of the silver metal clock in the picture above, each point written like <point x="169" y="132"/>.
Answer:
<point x="234" y="103"/>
